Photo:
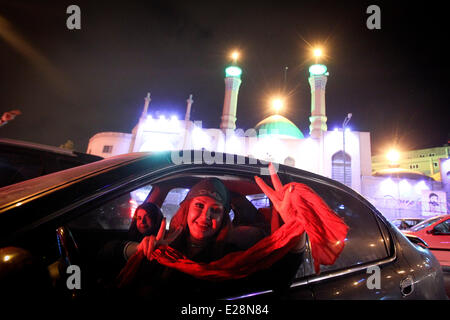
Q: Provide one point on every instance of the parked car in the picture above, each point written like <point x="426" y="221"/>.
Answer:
<point x="435" y="233"/>
<point x="20" y="160"/>
<point x="406" y="223"/>
<point x="91" y="204"/>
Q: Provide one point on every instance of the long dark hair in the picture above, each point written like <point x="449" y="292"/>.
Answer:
<point x="156" y="217"/>
<point x="216" y="245"/>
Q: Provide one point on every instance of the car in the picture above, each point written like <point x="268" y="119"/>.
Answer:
<point x="59" y="222"/>
<point x="21" y="160"/>
<point x="406" y="223"/>
<point x="435" y="234"/>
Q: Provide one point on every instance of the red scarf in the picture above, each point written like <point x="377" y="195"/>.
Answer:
<point x="325" y="229"/>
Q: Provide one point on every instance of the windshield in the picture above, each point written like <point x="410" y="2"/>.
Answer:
<point x="424" y="224"/>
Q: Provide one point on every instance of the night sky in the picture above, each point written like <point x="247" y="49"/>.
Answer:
<point x="71" y="84"/>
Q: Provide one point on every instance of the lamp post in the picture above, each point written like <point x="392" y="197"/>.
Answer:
<point x="344" y="125"/>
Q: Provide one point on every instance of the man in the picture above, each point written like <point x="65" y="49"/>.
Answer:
<point x="434" y="202"/>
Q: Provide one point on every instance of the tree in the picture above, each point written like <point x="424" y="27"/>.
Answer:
<point x="69" y="145"/>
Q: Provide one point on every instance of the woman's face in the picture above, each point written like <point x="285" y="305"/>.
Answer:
<point x="204" y="217"/>
<point x="143" y="221"/>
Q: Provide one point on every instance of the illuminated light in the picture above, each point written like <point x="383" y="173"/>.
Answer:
<point x="277" y="104"/>
<point x="420" y="186"/>
<point x="388" y="277"/>
<point x="347" y="130"/>
<point x="404" y="186"/>
<point x="200" y="139"/>
<point x="317" y="52"/>
<point x="174" y="118"/>
<point x="233" y="71"/>
<point x="393" y="156"/>
<point x="342" y="207"/>
<point x="388" y="186"/>
<point x="401" y="271"/>
<point x="336" y="129"/>
<point x="162" y="117"/>
<point x="6" y="258"/>
<point x="234" y="145"/>
<point x="318" y="69"/>
<point x="372" y="245"/>
<point x="235" y="56"/>
<point x="18" y="204"/>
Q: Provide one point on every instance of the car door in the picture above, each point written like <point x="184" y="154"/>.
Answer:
<point x="366" y="268"/>
<point x="439" y="242"/>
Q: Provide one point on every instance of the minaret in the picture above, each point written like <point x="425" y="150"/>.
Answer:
<point x="136" y="137"/>
<point x="232" y="83"/>
<point x="187" y="118"/>
<point x="147" y="102"/>
<point x="318" y="76"/>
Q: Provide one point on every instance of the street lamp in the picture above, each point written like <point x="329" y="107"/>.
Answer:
<point x="393" y="156"/>
<point x="277" y="104"/>
<point x="344" y="125"/>
<point x="317" y="53"/>
<point x="234" y="56"/>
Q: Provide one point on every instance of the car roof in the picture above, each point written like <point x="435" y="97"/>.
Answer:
<point x="19" y="193"/>
<point x="50" y="181"/>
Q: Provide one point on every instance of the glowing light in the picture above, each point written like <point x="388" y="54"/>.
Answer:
<point x="388" y="186"/>
<point x="174" y="118"/>
<point x="393" y="156"/>
<point x="317" y="52"/>
<point x="6" y="258"/>
<point x="235" y="56"/>
<point x="347" y="130"/>
<point x="277" y="104"/>
<point x="234" y="145"/>
<point x="336" y="129"/>
<point x="404" y="186"/>
<point x="162" y="117"/>
<point x="233" y="71"/>
<point x="420" y="186"/>
<point x="318" y="69"/>
<point x="200" y="139"/>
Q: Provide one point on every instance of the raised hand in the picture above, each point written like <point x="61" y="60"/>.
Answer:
<point x="281" y="197"/>
<point x="150" y="243"/>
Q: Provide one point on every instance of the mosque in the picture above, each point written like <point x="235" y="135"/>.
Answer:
<point x="340" y="154"/>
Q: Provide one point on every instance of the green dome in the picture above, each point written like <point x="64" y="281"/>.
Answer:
<point x="278" y="126"/>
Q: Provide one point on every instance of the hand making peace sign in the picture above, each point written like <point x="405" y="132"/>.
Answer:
<point x="281" y="197"/>
<point x="150" y="243"/>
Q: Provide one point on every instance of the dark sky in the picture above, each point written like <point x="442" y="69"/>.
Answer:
<point x="73" y="84"/>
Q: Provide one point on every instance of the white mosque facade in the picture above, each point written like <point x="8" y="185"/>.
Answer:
<point x="273" y="139"/>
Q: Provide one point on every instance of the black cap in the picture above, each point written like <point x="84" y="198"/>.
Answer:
<point x="213" y="188"/>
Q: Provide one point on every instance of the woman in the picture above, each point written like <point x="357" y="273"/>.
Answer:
<point x="203" y="247"/>
<point x="113" y="256"/>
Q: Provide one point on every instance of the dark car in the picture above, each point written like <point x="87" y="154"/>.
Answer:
<point x="21" y="160"/>
<point x="63" y="219"/>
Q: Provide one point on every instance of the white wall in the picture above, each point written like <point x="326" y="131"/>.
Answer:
<point x="119" y="141"/>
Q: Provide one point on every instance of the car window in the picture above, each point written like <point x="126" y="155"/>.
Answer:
<point x="424" y="224"/>
<point x="443" y="227"/>
<point x="113" y="215"/>
<point x="172" y="202"/>
<point x="365" y="242"/>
